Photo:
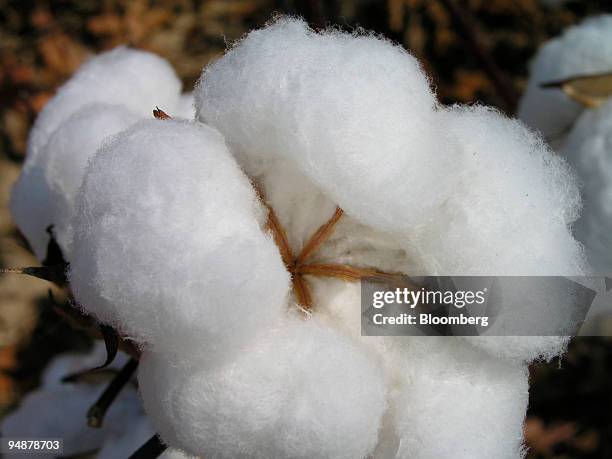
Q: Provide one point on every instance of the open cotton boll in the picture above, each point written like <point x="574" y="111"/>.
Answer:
<point x="588" y="150"/>
<point x="355" y="113"/>
<point x="458" y="402"/>
<point x="584" y="49"/>
<point x="137" y="79"/>
<point x="168" y="242"/>
<point x="45" y="192"/>
<point x="300" y="391"/>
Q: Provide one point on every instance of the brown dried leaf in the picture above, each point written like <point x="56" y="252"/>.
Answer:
<point x="588" y="90"/>
<point x="543" y="439"/>
<point x="62" y="54"/>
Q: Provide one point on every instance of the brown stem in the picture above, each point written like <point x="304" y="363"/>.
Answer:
<point x="280" y="237"/>
<point x="319" y="237"/>
<point x="95" y="415"/>
<point x="302" y="291"/>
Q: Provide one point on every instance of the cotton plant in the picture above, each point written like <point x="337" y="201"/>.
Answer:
<point x="578" y="119"/>
<point x="230" y="248"/>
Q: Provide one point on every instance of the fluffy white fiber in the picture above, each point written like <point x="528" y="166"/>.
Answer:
<point x="589" y="150"/>
<point x="185" y="108"/>
<point x="168" y="244"/>
<point x="584" y="49"/>
<point x="301" y="390"/>
<point x="459" y="403"/>
<point x="139" y="80"/>
<point x="45" y="192"/>
<point x="511" y="212"/>
<point x="107" y="94"/>
<point x="355" y="113"/>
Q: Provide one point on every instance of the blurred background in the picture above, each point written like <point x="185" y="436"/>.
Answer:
<point x="474" y="50"/>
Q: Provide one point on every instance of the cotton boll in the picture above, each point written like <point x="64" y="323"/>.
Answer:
<point x="168" y="242"/>
<point x="300" y="391"/>
<point x="584" y="49"/>
<point x="354" y="113"/>
<point x="137" y="79"/>
<point x="45" y="193"/>
<point x="588" y="151"/>
<point x="458" y="402"/>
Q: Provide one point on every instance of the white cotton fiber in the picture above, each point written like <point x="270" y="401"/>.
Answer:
<point x="168" y="242"/>
<point x="137" y="79"/>
<point x="457" y="402"/>
<point x="104" y="96"/>
<point x="185" y="108"/>
<point x="46" y="190"/>
<point x="584" y="49"/>
<point x="510" y="216"/>
<point x="300" y="391"/>
<point x="589" y="150"/>
<point x="354" y="112"/>
<point x="512" y="209"/>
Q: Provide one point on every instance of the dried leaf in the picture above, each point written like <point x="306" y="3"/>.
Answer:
<point x="160" y="114"/>
<point x="588" y="90"/>
<point x="55" y="274"/>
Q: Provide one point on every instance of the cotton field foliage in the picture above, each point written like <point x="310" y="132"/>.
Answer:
<point x="167" y="225"/>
